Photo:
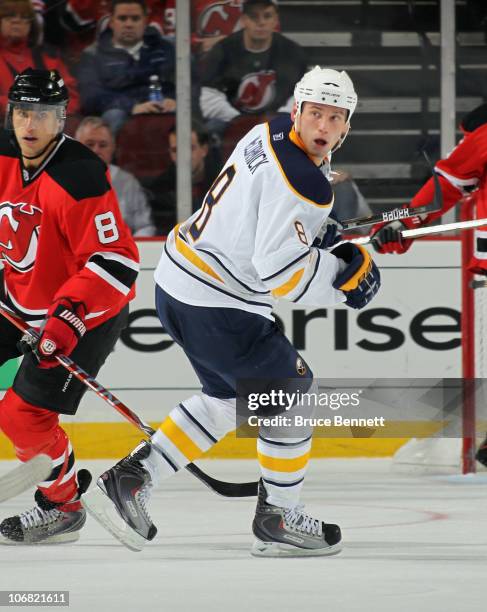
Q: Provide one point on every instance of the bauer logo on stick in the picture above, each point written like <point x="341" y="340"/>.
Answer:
<point x="397" y="213"/>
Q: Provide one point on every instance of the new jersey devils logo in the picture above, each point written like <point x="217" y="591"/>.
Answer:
<point x="19" y="233"/>
<point x="256" y="91"/>
<point x="218" y="18"/>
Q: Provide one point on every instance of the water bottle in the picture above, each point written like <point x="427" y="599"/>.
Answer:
<point x="155" y="89"/>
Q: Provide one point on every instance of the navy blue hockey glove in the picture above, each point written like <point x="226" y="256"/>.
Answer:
<point x="329" y="238"/>
<point x="360" y="280"/>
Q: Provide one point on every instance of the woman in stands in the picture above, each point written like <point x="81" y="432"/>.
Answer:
<point x="18" y="50"/>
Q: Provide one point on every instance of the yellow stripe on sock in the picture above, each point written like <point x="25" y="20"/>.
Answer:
<point x="277" y="464"/>
<point x="181" y="440"/>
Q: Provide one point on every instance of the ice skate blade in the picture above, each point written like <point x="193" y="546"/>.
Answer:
<point x="62" y="538"/>
<point x="102" y="509"/>
<point x="279" y="549"/>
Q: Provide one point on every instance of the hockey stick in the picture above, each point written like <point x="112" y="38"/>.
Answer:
<point x="420" y="231"/>
<point x="226" y="489"/>
<point x="478" y="284"/>
<point x="399" y="213"/>
<point x="24" y="476"/>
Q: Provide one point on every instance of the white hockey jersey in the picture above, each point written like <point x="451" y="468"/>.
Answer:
<point x="250" y="242"/>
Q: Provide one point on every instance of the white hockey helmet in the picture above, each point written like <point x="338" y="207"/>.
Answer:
<point x="326" y="86"/>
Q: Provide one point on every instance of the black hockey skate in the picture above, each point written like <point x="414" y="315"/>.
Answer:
<point x="481" y="454"/>
<point x="45" y="523"/>
<point x="125" y="488"/>
<point x="283" y="532"/>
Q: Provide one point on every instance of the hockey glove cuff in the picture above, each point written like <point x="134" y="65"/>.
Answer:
<point x="360" y="280"/>
<point x="386" y="238"/>
<point x="61" y="332"/>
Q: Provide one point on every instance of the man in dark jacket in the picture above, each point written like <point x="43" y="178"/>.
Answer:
<point x="252" y="71"/>
<point x="115" y="73"/>
<point x="205" y="166"/>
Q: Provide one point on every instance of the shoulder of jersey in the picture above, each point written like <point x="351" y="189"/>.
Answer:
<point x="79" y="171"/>
<point x="300" y="173"/>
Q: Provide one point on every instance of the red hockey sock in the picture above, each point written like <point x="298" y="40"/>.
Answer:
<point x="35" y="430"/>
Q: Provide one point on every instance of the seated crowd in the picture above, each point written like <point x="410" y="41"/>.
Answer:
<point x="117" y="58"/>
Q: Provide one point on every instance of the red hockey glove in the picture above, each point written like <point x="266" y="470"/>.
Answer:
<point x="386" y="237"/>
<point x="61" y="332"/>
<point x="477" y="266"/>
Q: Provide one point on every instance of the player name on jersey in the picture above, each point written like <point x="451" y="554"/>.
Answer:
<point x="254" y="154"/>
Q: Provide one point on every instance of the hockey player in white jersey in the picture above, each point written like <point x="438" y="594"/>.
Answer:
<point x="255" y="239"/>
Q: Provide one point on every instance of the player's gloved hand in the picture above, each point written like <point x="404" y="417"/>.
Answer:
<point x="477" y="266"/>
<point x="360" y="280"/>
<point x="386" y="237"/>
<point x="329" y="238"/>
<point x="60" y="333"/>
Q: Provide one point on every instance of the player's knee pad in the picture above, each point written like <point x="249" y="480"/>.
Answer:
<point x="214" y="414"/>
<point x="31" y="429"/>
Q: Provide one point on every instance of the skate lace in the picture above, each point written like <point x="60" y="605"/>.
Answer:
<point x="142" y="496"/>
<point x="36" y="517"/>
<point x="298" y="520"/>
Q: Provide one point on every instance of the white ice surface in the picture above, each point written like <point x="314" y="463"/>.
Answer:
<point x="411" y="543"/>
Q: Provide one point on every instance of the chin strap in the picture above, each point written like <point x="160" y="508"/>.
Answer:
<point x="55" y="139"/>
<point x="341" y="141"/>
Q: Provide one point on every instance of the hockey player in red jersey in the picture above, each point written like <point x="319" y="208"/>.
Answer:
<point x="462" y="173"/>
<point x="70" y="265"/>
<point x="255" y="239"/>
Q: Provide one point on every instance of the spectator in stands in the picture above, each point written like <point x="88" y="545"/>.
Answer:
<point x="211" y="21"/>
<point x="251" y="71"/>
<point x="115" y="73"/>
<point x="19" y="31"/>
<point x="94" y="133"/>
<point x="81" y="20"/>
<point x="205" y="166"/>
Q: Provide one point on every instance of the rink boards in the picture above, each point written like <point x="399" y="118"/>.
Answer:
<point x="411" y="330"/>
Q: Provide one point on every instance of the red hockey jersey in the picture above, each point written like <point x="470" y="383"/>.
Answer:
<point x="62" y="234"/>
<point x="463" y="172"/>
<point x="209" y="18"/>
